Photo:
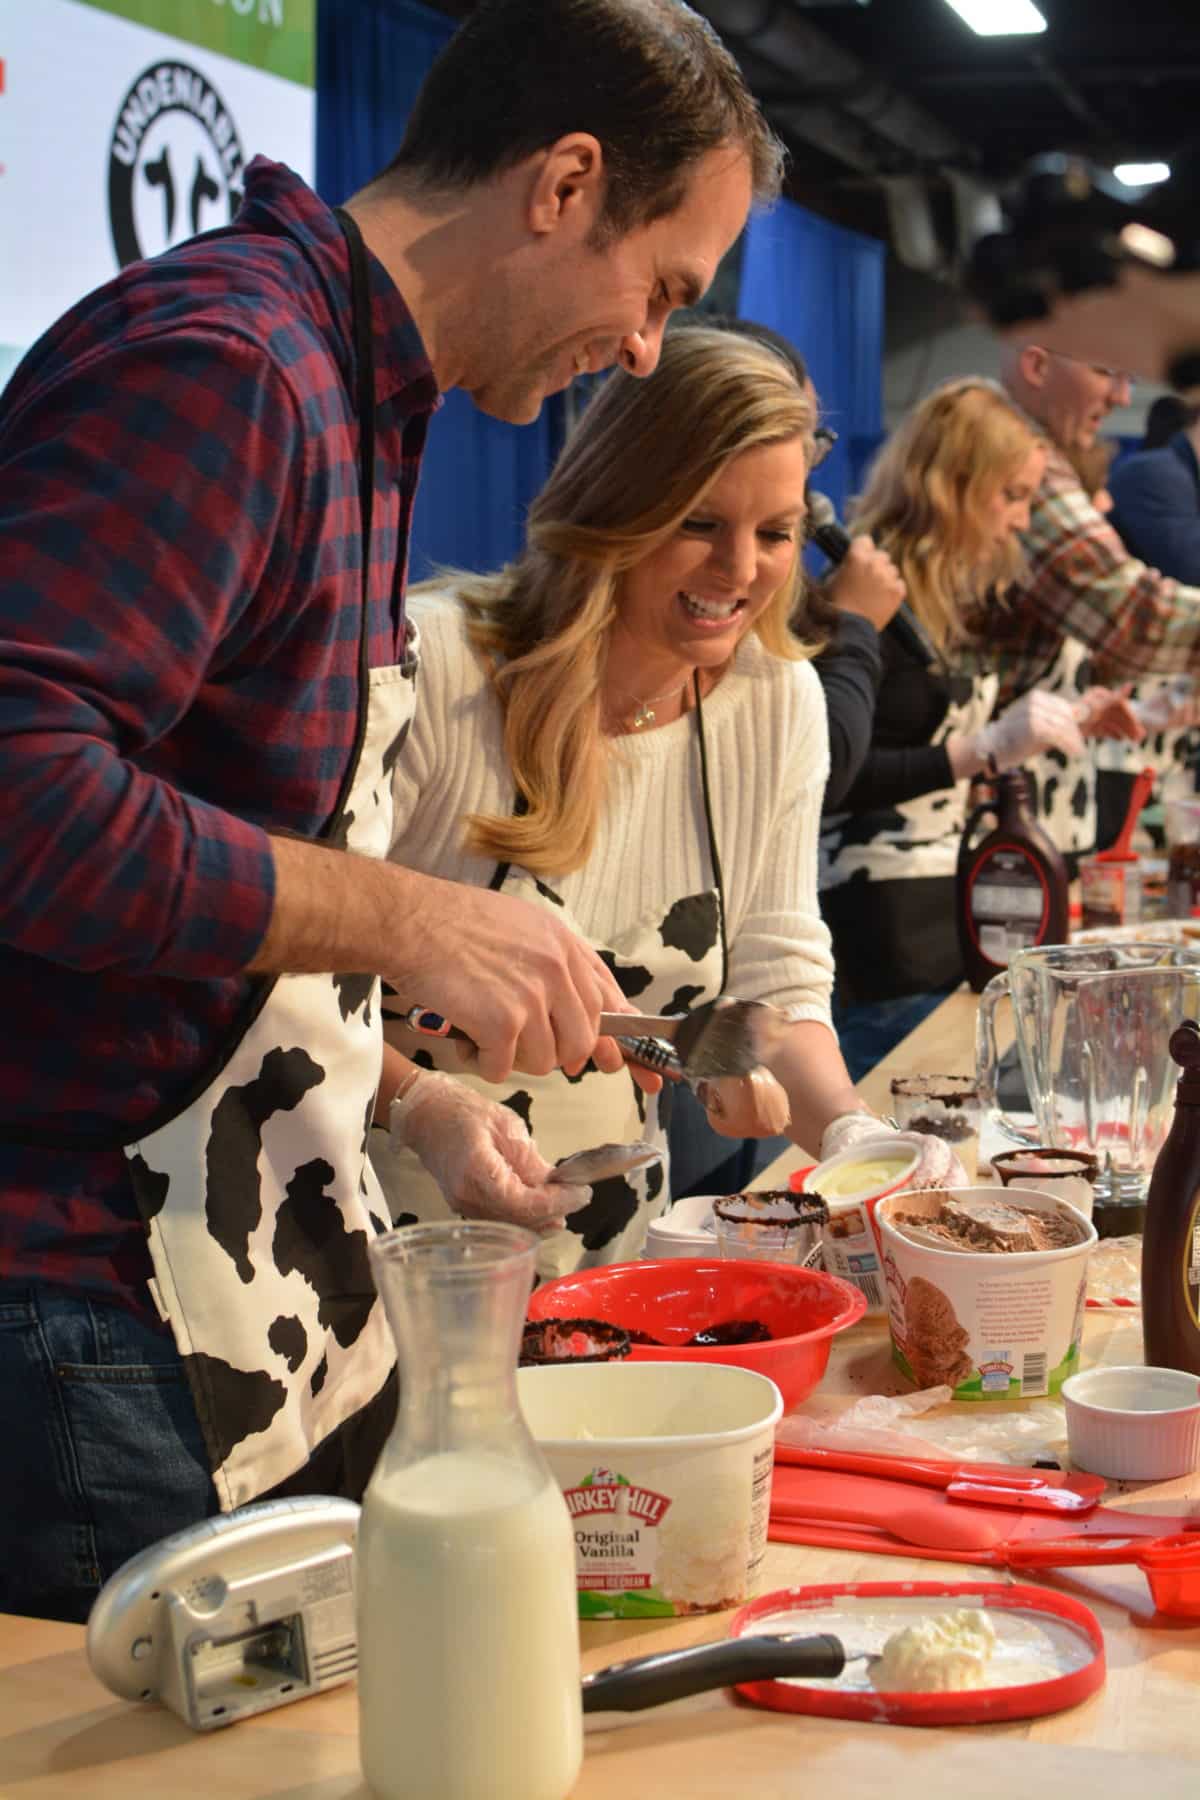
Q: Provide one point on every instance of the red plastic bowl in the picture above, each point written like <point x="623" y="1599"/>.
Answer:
<point x="676" y="1297"/>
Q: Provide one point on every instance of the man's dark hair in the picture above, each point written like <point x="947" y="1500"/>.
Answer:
<point x="650" y="79"/>
<point x="1167" y="415"/>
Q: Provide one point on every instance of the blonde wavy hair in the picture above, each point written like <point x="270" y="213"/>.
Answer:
<point x="925" y="502"/>
<point x="641" y="458"/>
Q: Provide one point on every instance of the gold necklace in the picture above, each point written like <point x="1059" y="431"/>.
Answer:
<point x="645" y="714"/>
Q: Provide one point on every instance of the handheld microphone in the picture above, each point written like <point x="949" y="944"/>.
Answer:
<point x="824" y="528"/>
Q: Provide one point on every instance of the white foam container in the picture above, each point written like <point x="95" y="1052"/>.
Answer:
<point x="686" y="1229"/>
<point x="1131" y="1423"/>
<point x="1019" y="1314"/>
<point x="666" y="1471"/>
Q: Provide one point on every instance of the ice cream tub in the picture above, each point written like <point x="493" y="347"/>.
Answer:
<point x="666" y="1472"/>
<point x="985" y="1289"/>
<point x="851" y="1185"/>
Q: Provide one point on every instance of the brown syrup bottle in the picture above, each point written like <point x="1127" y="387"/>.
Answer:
<point x="1171" y="1244"/>
<point x="1012" y="887"/>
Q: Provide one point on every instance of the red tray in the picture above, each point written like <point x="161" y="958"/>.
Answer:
<point x="970" y="1707"/>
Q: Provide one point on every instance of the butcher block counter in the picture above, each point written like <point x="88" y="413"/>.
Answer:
<point x="62" y="1734"/>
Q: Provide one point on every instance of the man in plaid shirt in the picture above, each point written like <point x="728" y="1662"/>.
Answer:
<point x="180" y="612"/>
<point x="1082" y="583"/>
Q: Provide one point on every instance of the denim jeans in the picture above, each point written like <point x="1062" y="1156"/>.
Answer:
<point x="868" y="1029"/>
<point x="704" y="1162"/>
<point x="102" y="1447"/>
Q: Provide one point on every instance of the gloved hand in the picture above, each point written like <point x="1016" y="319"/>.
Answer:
<point x="480" y="1154"/>
<point x="1037" y="721"/>
<point x="938" y="1166"/>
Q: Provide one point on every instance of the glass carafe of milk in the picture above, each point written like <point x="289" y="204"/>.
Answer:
<point x="468" y="1677"/>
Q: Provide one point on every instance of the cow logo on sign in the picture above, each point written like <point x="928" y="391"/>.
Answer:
<point x="175" y="162"/>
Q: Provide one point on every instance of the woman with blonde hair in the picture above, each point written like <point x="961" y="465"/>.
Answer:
<point x="620" y="725"/>
<point x="946" y="497"/>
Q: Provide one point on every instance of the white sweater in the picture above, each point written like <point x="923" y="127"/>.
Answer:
<point x="768" y="758"/>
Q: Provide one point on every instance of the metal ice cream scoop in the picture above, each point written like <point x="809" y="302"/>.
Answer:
<point x="722" y="1037"/>
<point x="649" y="1680"/>
<point x="583" y="1167"/>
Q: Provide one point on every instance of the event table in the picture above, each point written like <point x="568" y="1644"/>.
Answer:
<point x="63" y="1735"/>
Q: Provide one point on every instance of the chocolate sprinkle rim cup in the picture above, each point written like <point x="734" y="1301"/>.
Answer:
<point x="1007" y="1165"/>
<point x="793" y="1211"/>
<point x="539" y="1334"/>
<point x="948" y="1090"/>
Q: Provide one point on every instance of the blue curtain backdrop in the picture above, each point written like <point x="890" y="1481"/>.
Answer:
<point x="821" y="286"/>
<point x="478" y="475"/>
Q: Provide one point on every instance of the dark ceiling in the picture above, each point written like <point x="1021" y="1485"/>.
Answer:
<point x="866" y="95"/>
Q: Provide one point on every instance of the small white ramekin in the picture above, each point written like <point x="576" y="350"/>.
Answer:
<point x="1132" y="1423"/>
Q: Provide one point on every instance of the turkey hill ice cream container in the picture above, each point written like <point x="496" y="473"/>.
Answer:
<point x="666" y="1472"/>
<point x="851" y="1185"/>
<point x="985" y="1289"/>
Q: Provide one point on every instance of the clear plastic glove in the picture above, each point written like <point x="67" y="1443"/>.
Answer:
<point x="1036" y="722"/>
<point x="937" y="1167"/>
<point x="480" y="1154"/>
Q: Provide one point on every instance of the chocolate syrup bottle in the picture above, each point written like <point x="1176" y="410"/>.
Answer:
<point x="1171" y="1244"/>
<point x="1012" y="886"/>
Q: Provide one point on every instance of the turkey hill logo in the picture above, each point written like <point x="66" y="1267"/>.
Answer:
<point x="175" y="162"/>
<point x="605" y="1492"/>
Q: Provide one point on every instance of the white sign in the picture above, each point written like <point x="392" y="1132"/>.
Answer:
<point x="117" y="141"/>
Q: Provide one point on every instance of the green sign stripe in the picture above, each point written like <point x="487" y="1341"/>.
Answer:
<point x="273" y="35"/>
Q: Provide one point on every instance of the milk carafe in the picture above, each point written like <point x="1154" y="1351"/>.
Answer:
<point x="468" y="1681"/>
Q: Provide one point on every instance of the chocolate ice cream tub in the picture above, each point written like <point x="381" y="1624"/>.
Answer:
<point x="985" y="1289"/>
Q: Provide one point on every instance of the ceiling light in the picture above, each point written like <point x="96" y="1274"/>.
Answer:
<point x="1142" y="174"/>
<point x="999" y="18"/>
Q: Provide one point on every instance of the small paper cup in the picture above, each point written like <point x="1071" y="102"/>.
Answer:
<point x="1131" y="1423"/>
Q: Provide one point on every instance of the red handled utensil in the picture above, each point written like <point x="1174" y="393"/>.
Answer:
<point x="1118" y="851"/>
<point x="1170" y="1564"/>
<point x="984" y="1484"/>
<point x="857" y="1512"/>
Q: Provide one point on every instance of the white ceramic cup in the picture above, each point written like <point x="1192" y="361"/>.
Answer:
<point x="1132" y="1423"/>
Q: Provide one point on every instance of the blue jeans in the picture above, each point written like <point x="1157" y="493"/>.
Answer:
<point x="868" y="1029"/>
<point x="102" y="1446"/>
<point x="704" y="1162"/>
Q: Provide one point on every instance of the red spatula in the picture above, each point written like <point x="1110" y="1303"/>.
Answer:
<point x="984" y="1484"/>
<point x="1118" y="851"/>
<point x="914" y="1521"/>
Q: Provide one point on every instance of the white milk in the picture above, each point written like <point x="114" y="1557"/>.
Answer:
<point x="468" y="1680"/>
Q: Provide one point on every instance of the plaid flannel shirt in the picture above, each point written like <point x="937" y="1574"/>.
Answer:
<point x="180" y="611"/>
<point x="1082" y="583"/>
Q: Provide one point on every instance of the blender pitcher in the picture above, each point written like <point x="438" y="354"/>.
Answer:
<point x="1092" y="1024"/>
<point x="468" y="1668"/>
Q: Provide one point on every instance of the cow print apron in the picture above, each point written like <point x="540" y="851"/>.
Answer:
<point x="1065" y="786"/>
<point x="665" y="964"/>
<point x="258" y="1196"/>
<point x="914" y="839"/>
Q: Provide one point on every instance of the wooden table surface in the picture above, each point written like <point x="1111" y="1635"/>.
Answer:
<point x="63" y="1735"/>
